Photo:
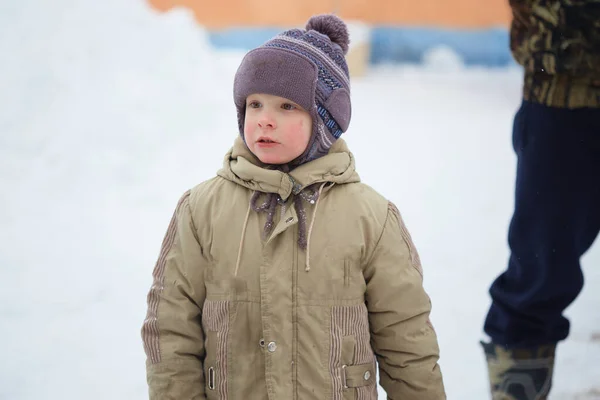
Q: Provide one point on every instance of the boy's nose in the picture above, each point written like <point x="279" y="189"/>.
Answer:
<point x="266" y="121"/>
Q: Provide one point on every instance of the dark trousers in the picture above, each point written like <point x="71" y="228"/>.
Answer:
<point x="555" y="221"/>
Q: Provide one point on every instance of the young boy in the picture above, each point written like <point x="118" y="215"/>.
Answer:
<point x="284" y="277"/>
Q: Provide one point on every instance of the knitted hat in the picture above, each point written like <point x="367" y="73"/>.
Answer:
<point x="309" y="68"/>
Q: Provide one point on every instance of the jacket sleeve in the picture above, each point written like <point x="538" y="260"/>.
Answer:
<point x="172" y="331"/>
<point x="402" y="336"/>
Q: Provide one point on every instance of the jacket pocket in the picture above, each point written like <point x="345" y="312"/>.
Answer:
<point x="352" y="362"/>
<point x="215" y="321"/>
<point x="359" y="382"/>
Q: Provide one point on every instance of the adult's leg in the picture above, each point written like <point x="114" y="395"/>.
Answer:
<point x="555" y="221"/>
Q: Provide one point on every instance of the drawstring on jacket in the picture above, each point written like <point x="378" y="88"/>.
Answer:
<point x="269" y="206"/>
<point x="312" y="222"/>
<point x="239" y="256"/>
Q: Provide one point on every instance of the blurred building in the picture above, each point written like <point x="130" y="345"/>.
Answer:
<point x="448" y="13"/>
<point x="396" y="30"/>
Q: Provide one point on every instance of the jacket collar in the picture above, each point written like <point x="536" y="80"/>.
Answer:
<point x="245" y="169"/>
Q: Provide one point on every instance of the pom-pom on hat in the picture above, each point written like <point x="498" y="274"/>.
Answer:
<point x="308" y="67"/>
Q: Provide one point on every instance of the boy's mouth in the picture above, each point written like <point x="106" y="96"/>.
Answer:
<point x="264" y="139"/>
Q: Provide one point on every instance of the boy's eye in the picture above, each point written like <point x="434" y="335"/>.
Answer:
<point x="288" y="106"/>
<point x="253" y="104"/>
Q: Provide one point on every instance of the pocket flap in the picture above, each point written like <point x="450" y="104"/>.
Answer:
<point x="348" y="346"/>
<point x="360" y="375"/>
<point x="210" y="350"/>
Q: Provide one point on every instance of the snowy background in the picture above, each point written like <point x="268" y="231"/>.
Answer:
<point x="110" y="111"/>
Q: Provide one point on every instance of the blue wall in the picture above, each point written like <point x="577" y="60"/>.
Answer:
<point x="486" y="47"/>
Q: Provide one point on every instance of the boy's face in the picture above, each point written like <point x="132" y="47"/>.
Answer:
<point x="276" y="129"/>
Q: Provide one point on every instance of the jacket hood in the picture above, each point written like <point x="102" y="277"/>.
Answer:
<point x="245" y="169"/>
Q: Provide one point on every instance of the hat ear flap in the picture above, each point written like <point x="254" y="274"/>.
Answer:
<point x="339" y="107"/>
<point x="241" y="117"/>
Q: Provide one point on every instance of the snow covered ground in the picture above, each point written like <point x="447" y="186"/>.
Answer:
<point x="109" y="111"/>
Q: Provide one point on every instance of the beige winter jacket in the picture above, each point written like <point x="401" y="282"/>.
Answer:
<point x="233" y="316"/>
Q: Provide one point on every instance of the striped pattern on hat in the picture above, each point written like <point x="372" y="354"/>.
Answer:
<point x="308" y="67"/>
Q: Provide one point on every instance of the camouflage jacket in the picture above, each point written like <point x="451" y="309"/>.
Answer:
<point x="558" y="44"/>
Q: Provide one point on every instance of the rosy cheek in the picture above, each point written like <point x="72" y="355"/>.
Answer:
<point x="247" y="127"/>
<point x="303" y="129"/>
<point x="299" y="126"/>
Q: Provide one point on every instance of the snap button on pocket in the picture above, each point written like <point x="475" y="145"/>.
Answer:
<point x="356" y="376"/>
<point x="272" y="346"/>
